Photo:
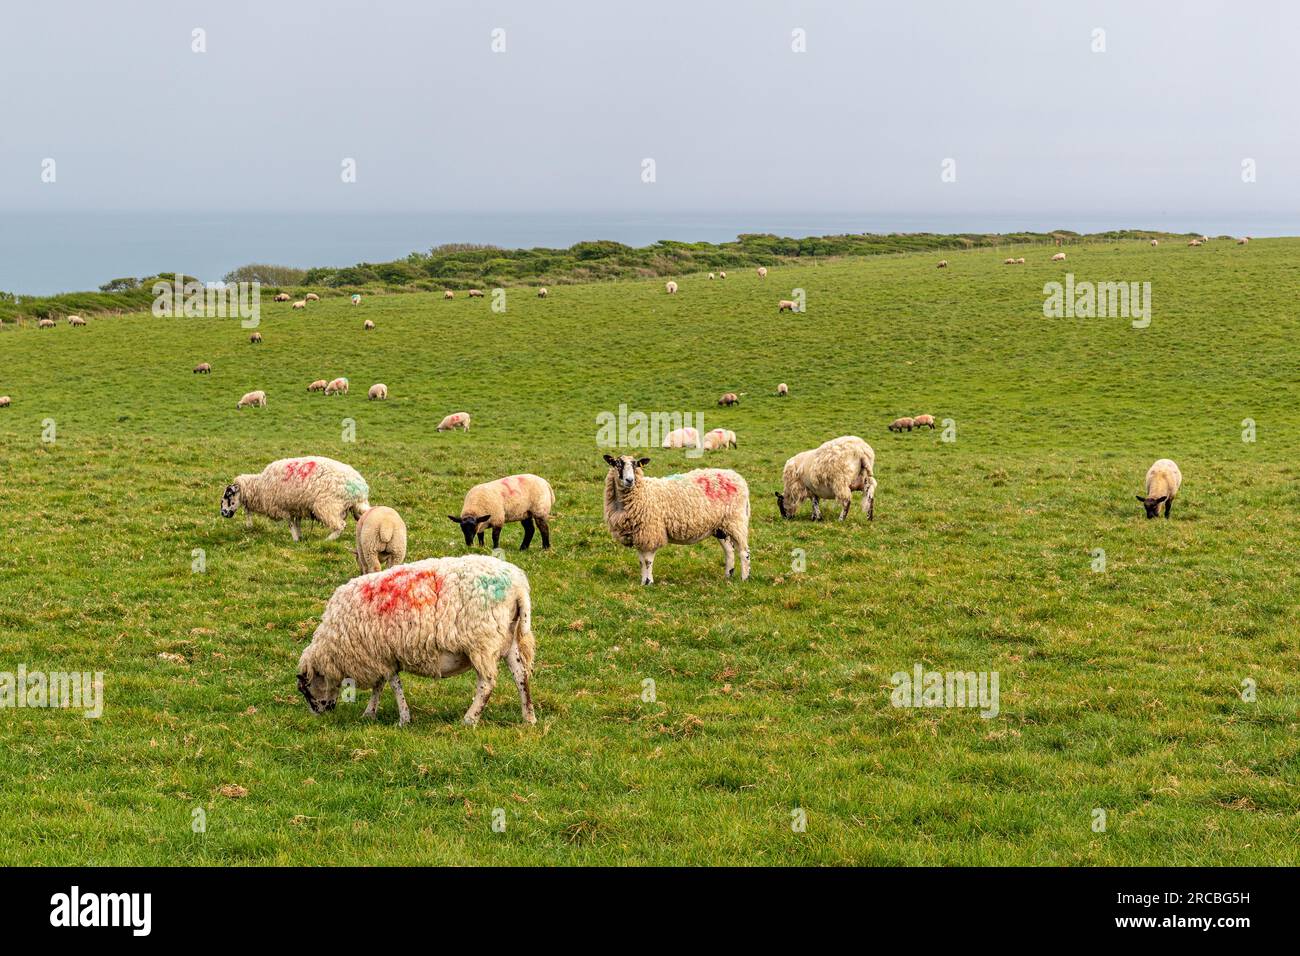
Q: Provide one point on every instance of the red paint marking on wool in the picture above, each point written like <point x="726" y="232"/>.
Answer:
<point x="402" y="589"/>
<point x="508" y="485"/>
<point x="299" y="470"/>
<point x="717" y="486"/>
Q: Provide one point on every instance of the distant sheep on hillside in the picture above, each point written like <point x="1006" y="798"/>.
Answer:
<point x="255" y="399"/>
<point x="671" y="287"/>
<point x="454" y="420"/>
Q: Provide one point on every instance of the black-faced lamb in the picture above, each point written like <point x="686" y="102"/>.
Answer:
<point x="524" y="498"/>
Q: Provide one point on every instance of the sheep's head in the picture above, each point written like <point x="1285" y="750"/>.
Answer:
<point x="780" y="503"/>
<point x="626" y="469"/>
<point x="321" y="692"/>
<point x="1152" y="505"/>
<point x="230" y="501"/>
<point x="471" y="525"/>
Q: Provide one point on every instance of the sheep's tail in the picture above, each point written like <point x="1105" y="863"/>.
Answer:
<point x="522" y="627"/>
<point x="360" y="507"/>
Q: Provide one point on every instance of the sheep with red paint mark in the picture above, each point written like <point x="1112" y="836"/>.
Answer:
<point x="720" y="438"/>
<point x="834" y="469"/>
<point x="648" y="513"/>
<point x="527" y="499"/>
<point x="436" y="618"/>
<point x="292" y="489"/>
<point x="686" y="437"/>
<point x="453" y="421"/>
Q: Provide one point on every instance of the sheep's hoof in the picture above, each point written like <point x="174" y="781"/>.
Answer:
<point x="470" y="721"/>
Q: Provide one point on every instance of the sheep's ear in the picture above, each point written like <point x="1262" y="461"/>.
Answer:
<point x="1160" y="499"/>
<point x="642" y="462"/>
<point x="483" y="518"/>
<point x="1141" y="498"/>
<point x="610" y="461"/>
<point x="453" y="518"/>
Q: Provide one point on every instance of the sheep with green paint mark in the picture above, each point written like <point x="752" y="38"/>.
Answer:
<point x="292" y="489"/>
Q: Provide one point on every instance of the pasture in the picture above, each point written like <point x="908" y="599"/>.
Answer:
<point x="1121" y="689"/>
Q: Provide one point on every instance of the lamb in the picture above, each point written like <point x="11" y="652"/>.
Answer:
<point x="255" y="338"/>
<point x="731" y="398"/>
<point x="435" y="618"/>
<point x="712" y="276"/>
<point x="356" y="298"/>
<point x="203" y="368"/>
<point x="923" y="421"/>
<point x="338" y="386"/>
<point x="785" y="305"/>
<point x="1020" y="261"/>
<point x="381" y="540"/>
<point x="367" y="325"/>
<point x="648" y="513"/>
<point x="542" y="293"/>
<point x="783" y="389"/>
<point x="255" y="399"/>
<point x="687" y="437"/>
<point x="282" y="297"/>
<point x="762" y="272"/>
<point x="454" y="420"/>
<point x="1163" y="481"/>
<point x="311" y="297"/>
<point x="524" y="498"/>
<point x="1059" y="257"/>
<point x="476" y="293"/>
<point x="45" y="323"/>
<point x="295" y="488"/>
<point x="378" y="391"/>
<point x="448" y="294"/>
<point x="75" y="320"/>
<point x="943" y="264"/>
<point x="317" y="386"/>
<point x="1008" y="262"/>
<point x="898" y="424"/>
<point x="722" y="275"/>
<point x="834" y="469"/>
<point x="300" y="304"/>
<point x="1155" y="242"/>
<point x="671" y="287"/>
<point x="5" y="400"/>
<point x="720" y="438"/>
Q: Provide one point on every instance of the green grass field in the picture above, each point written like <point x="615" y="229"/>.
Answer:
<point x="1120" y="690"/>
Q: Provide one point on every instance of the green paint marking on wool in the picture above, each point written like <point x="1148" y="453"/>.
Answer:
<point x="357" y="488"/>
<point x="494" y="586"/>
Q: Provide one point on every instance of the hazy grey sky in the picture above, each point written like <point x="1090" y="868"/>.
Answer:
<point x="712" y="91"/>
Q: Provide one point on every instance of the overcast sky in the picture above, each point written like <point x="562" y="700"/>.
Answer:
<point x="586" y="90"/>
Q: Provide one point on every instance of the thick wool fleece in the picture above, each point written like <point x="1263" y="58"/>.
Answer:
<point x="509" y="499"/>
<point x="435" y="618"/>
<point x="834" y="469"/>
<point x="313" y="487"/>
<point x="1164" y="478"/>
<point x="381" y="539"/>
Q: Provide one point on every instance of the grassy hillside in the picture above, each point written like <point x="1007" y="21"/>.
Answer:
<point x="1120" y="689"/>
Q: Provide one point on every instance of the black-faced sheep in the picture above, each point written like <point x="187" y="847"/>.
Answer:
<point x="524" y="498"/>
<point x="1163" y="481"/>
<point x="902" y="424"/>
<point x="923" y="421"/>
<point x="203" y="368"/>
<point x="731" y="398"/>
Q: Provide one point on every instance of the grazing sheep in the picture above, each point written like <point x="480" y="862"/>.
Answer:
<point x="712" y="276"/>
<point x="338" y="386"/>
<point x="648" y="513"/>
<point x="1155" y="242"/>
<point x="898" y="424"/>
<point x="542" y="293"/>
<point x="523" y="498"/>
<point x="378" y="391"/>
<point x="785" y="305"/>
<point x="295" y="488"/>
<point x="5" y="401"/>
<point x="435" y="618"/>
<point x="722" y="275"/>
<point x="356" y="298"/>
<point x="1020" y="261"/>
<point x="476" y="293"/>
<point x="203" y="368"/>
<point x="923" y="421"/>
<point x="255" y="338"/>
<point x="783" y="389"/>
<point x="381" y="540"/>
<point x="834" y="469"/>
<point x="686" y="437"/>
<point x="282" y="297"/>
<point x="311" y="297"/>
<point x="1163" y="481"/>
<point x="1008" y="262"/>
<point x="45" y="323"/>
<point x="75" y="320"/>
<point x="317" y="386"/>
<point x="1059" y="257"/>
<point x="1243" y="240"/>
<point x="454" y="420"/>
<point x="255" y="399"/>
<point x="300" y="304"/>
<point x="367" y="325"/>
<point x="448" y="294"/>
<point x="720" y="438"/>
<point x="762" y="272"/>
<point x="671" y="287"/>
<point x="1195" y="242"/>
<point x="1205" y="239"/>
<point x="943" y="264"/>
<point x="731" y="398"/>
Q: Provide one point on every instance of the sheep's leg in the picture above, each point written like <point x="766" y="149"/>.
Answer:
<point x="403" y="712"/>
<point x="336" y="524"/>
<point x="496" y="537"/>
<point x="871" y="499"/>
<point x="372" y="708"/>
<point x="480" y="538"/>
<point x="1169" y="503"/>
<point x="544" y="527"/>
<point x="528" y="534"/>
<point x="520" y="674"/>
<point x="647" y="566"/>
<point x="845" y="505"/>
<point x="295" y="529"/>
<point x="487" y="680"/>
<point x="729" y="553"/>
<point x="743" y="545"/>
<point x="248" y="520"/>
<point x="817" y="510"/>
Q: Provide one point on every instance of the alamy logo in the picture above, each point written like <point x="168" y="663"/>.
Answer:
<point x="193" y="299"/>
<point x="1102" y="300"/>
<point x="924" y="688"/>
<point x="103" y="909"/>
<point x="655" y="430"/>
<point x="77" y="690"/>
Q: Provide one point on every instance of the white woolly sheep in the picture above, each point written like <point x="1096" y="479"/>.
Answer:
<point x="203" y="368"/>
<point x="317" y="386"/>
<point x="356" y="298"/>
<point x="1059" y="257"/>
<point x="1020" y="261"/>
<point x="1195" y="242"/>
<point x="476" y="293"/>
<point x="712" y="276"/>
<point x="1163" y="481"/>
<point x="923" y="421"/>
<point x="255" y="338"/>
<point x="783" y="389"/>
<point x="1243" y="240"/>
<point x="381" y="540"/>
<point x="899" y="424"/>
<point x="731" y="398"/>
<point x="722" y="275"/>
<point x="448" y="294"/>
<point x="943" y="264"/>
<point x="311" y="297"/>
<point x="435" y="618"/>
<point x="524" y="498"/>
<point x="671" y="287"/>
<point x="45" y="323"/>
<point x="542" y="293"/>
<point x="454" y="420"/>
<point x="834" y="469"/>
<point x="367" y="325"/>
<point x="1008" y="262"/>
<point x="292" y="489"/>
<point x="76" y="320"/>
<point x="300" y="304"/>
<point x="1155" y="242"/>
<point x="378" y="391"/>
<point x="256" y="399"/>
<point x="720" y="438"/>
<point x="785" y="305"/>
<point x="687" y="437"/>
<point x="762" y="272"/>
<point x="282" y="297"/>
<point x="5" y="401"/>
<point x="338" y="386"/>
<point x="648" y="513"/>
